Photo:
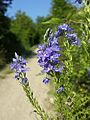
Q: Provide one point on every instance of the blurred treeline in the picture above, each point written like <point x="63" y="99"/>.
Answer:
<point x="21" y="32"/>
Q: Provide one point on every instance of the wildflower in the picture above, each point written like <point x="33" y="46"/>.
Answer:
<point x="79" y="1"/>
<point x="48" y="56"/>
<point x="64" y="27"/>
<point x="19" y="66"/>
<point x="59" y="69"/>
<point x="24" y="81"/>
<point x="47" y="68"/>
<point x="72" y="38"/>
<point x="46" y="80"/>
<point x="61" y="29"/>
<point x="61" y="89"/>
<point x="57" y="33"/>
<point x="17" y="76"/>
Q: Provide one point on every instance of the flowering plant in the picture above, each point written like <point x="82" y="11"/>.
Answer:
<point x="65" y="59"/>
<point x="19" y="66"/>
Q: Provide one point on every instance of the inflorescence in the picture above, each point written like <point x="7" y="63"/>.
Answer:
<point x="19" y="66"/>
<point x="49" y="52"/>
<point x="48" y="55"/>
<point x="79" y="1"/>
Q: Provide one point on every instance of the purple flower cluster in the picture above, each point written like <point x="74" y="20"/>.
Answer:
<point x="48" y="55"/>
<point x="61" y="89"/>
<point x="79" y="1"/>
<point x="19" y="66"/>
<point x="46" y="80"/>
<point x="61" y="29"/>
<point x="72" y="38"/>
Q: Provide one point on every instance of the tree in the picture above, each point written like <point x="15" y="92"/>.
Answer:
<point x="4" y="5"/>
<point x="4" y="20"/>
<point x="62" y="9"/>
<point x="24" y="28"/>
<point x="41" y="27"/>
<point x="4" y="27"/>
<point x="8" y="40"/>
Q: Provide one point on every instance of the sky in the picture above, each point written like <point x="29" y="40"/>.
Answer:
<point x="33" y="8"/>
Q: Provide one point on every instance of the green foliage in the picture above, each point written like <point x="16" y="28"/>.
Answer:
<point x="62" y="9"/>
<point x="24" y="28"/>
<point x="2" y="58"/>
<point x="52" y="21"/>
<point x="61" y="12"/>
<point x="74" y="102"/>
<point x="8" y="41"/>
<point x="4" y="29"/>
<point x="3" y="5"/>
<point x="41" y="27"/>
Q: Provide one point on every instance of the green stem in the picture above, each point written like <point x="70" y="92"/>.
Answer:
<point x="34" y="102"/>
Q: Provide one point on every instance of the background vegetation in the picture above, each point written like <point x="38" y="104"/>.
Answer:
<point x="20" y="33"/>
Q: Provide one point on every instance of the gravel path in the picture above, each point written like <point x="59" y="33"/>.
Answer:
<point x="14" y="105"/>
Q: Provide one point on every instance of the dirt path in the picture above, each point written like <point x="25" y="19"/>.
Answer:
<point x="14" y="105"/>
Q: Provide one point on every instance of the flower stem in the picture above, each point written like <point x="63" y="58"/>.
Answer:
<point x="34" y="102"/>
